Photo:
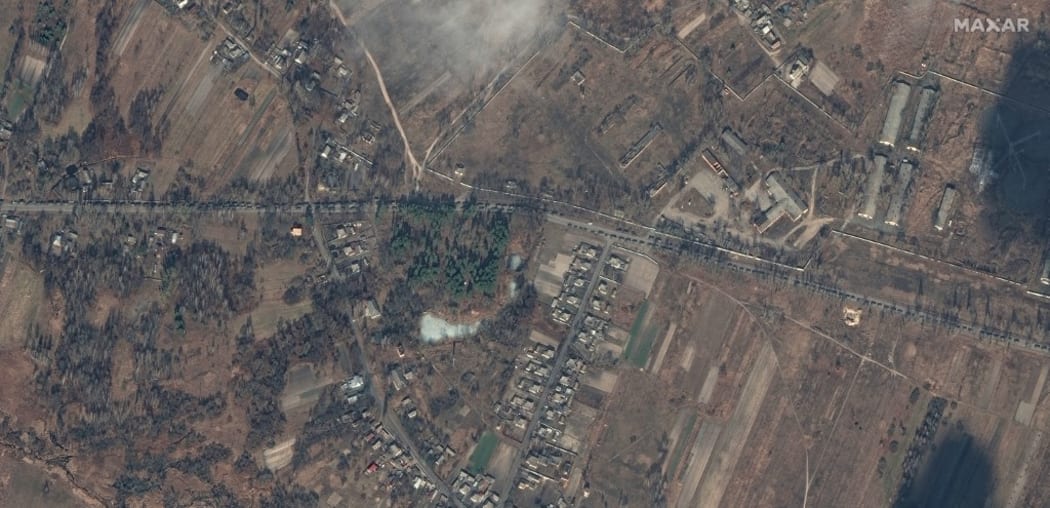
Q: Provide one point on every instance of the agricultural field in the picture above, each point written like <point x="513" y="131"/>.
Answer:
<point x="22" y="291"/>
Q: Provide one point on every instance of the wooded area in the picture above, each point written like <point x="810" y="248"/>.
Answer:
<point x="457" y="252"/>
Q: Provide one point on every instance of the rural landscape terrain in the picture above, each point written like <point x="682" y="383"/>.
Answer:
<point x="524" y="253"/>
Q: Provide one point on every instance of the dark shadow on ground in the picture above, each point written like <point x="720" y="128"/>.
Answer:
<point x="957" y="474"/>
<point x="1016" y="131"/>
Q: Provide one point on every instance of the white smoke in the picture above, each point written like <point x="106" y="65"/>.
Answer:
<point x="467" y="38"/>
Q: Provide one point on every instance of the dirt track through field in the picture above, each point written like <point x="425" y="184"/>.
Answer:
<point x="698" y="458"/>
<point x="417" y="170"/>
<point x="731" y="441"/>
<point x="416" y="167"/>
<point x="664" y="346"/>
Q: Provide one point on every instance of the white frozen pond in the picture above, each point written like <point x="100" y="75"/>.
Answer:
<point x="435" y="329"/>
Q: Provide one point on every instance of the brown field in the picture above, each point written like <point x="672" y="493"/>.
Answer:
<point x="24" y="485"/>
<point x="791" y="396"/>
<point x="731" y="51"/>
<point x="205" y="127"/>
<point x="551" y="125"/>
<point x="273" y="279"/>
<point x="21" y="292"/>
<point x="638" y="418"/>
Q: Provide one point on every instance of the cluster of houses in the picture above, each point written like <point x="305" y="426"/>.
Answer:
<point x="157" y="243"/>
<point x="433" y="448"/>
<point x="548" y="458"/>
<point x="574" y="285"/>
<point x="298" y="53"/>
<point x="230" y="54"/>
<point x="350" y="108"/>
<point x="62" y="242"/>
<point x="343" y="154"/>
<point x="387" y="456"/>
<point x="348" y="243"/>
<point x="476" y="490"/>
<point x="761" y="22"/>
<point x="519" y="403"/>
<point x="545" y="461"/>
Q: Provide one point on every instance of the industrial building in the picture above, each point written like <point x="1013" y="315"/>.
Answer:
<point x="873" y="188"/>
<point x="892" y="125"/>
<point x="900" y="193"/>
<point x="923" y="113"/>
<point x="734" y="142"/>
<point x="785" y="203"/>
<point x="944" y="211"/>
<point x="733" y="183"/>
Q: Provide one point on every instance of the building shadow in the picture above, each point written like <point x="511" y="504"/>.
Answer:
<point x="957" y="474"/>
<point x="1015" y="134"/>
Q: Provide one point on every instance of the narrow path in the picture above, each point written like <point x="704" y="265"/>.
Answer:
<point x="415" y="166"/>
<point x="417" y="169"/>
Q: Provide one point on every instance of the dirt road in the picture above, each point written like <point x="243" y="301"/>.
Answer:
<point x="415" y="166"/>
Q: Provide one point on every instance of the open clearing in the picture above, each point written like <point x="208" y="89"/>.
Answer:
<point x="275" y="278"/>
<point x="643" y="334"/>
<point x="23" y="485"/>
<point x="21" y="289"/>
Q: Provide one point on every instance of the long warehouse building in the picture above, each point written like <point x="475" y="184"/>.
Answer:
<point x="898" y="102"/>
<point x="874" y="187"/>
<point x="900" y="193"/>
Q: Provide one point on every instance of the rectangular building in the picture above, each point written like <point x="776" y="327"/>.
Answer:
<point x="944" y="211"/>
<point x="734" y="142"/>
<point x="900" y="193"/>
<point x="873" y="188"/>
<point x="923" y="113"/>
<point x="794" y="206"/>
<point x="732" y="184"/>
<point x="786" y="203"/>
<point x="898" y="101"/>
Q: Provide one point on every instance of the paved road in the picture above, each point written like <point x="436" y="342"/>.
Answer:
<point x="390" y="420"/>
<point x="627" y="232"/>
<point x="559" y="364"/>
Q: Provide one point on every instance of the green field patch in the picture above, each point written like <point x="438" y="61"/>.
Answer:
<point x="640" y="356"/>
<point x="479" y="459"/>
<point x="7" y="45"/>
<point x="682" y="445"/>
<point x="18" y="97"/>
<point x="636" y="329"/>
